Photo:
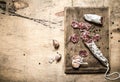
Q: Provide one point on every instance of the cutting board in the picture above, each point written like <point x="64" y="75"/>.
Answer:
<point x="94" y="66"/>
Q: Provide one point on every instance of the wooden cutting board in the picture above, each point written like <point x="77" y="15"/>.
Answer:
<point x="94" y="66"/>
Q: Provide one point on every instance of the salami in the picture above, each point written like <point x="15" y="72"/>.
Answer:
<point x="93" y="18"/>
<point x="83" y="53"/>
<point x="81" y="25"/>
<point x="74" y="38"/>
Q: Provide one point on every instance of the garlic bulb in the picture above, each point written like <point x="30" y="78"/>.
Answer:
<point x="93" y="18"/>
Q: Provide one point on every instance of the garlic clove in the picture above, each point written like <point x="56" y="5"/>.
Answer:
<point x="96" y="37"/>
<point x="58" y="57"/>
<point x="75" y="64"/>
<point x="76" y="59"/>
<point x="74" y="38"/>
<point x="56" y="44"/>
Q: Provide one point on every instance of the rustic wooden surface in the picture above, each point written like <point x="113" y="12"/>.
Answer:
<point x="77" y="13"/>
<point x="25" y="46"/>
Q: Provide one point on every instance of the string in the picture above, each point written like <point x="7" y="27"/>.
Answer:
<point x="107" y="76"/>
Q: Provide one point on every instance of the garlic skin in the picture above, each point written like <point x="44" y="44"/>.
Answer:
<point x="93" y="18"/>
<point x="51" y="60"/>
<point x="76" y="59"/>
<point x="56" y="44"/>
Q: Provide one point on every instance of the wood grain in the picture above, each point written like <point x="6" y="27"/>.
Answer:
<point x="20" y="36"/>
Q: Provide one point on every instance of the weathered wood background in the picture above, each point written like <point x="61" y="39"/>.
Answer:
<point x="25" y="46"/>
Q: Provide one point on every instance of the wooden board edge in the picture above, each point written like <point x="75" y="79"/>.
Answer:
<point x="80" y="71"/>
<point x="90" y="71"/>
